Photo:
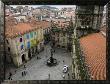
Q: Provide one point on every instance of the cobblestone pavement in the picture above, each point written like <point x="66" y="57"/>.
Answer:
<point x="38" y="70"/>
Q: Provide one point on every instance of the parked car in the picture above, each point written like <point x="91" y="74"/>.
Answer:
<point x="65" y="69"/>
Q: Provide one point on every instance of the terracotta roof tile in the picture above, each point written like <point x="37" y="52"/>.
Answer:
<point x="94" y="49"/>
<point x="23" y="27"/>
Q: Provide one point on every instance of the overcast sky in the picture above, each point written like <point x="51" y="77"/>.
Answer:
<point x="57" y="6"/>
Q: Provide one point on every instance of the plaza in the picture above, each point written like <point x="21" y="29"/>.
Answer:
<point x="38" y="70"/>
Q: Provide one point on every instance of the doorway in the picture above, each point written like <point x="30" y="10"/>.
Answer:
<point x="29" y="54"/>
<point x="23" y="58"/>
<point x="36" y="49"/>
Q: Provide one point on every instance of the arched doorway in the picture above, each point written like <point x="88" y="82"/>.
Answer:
<point x="29" y="54"/>
<point x="23" y="58"/>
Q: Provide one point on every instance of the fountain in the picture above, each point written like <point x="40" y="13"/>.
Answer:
<point x="51" y="61"/>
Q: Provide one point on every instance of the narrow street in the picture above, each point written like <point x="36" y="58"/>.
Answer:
<point x="38" y="70"/>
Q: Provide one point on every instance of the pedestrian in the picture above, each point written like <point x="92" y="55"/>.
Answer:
<point x="24" y="67"/>
<point x="10" y="74"/>
<point x="37" y="57"/>
<point x="63" y="61"/>
<point x="49" y="76"/>
<point x="22" y="74"/>
<point x="63" y="76"/>
<point x="25" y="72"/>
<point x="68" y="75"/>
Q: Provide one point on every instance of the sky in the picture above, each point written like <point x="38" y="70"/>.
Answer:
<point x="57" y="6"/>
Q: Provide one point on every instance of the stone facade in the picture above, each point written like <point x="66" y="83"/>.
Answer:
<point x="23" y="47"/>
<point x="88" y="19"/>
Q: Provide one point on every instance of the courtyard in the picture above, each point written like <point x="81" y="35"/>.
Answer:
<point x="38" y="70"/>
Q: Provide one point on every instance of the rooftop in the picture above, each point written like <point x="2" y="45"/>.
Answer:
<point x="13" y="30"/>
<point x="94" y="49"/>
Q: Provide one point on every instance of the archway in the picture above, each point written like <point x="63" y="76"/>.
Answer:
<point x="29" y="54"/>
<point x="23" y="58"/>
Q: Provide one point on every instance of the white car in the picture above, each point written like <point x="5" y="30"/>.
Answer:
<point x="65" y="68"/>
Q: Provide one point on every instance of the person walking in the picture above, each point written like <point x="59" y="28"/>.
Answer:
<point x="63" y="76"/>
<point x="49" y="76"/>
<point x="63" y="62"/>
<point x="10" y="74"/>
<point x="22" y="74"/>
<point x="24" y="67"/>
<point x="68" y="75"/>
<point x="37" y="57"/>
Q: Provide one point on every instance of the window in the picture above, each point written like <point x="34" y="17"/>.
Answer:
<point x="28" y="44"/>
<point x="20" y="39"/>
<point x="27" y="36"/>
<point x="34" y="33"/>
<point x="9" y="49"/>
<point x="22" y="47"/>
<point x="31" y="34"/>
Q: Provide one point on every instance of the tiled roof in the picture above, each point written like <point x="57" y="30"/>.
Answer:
<point x="13" y="30"/>
<point x="94" y="49"/>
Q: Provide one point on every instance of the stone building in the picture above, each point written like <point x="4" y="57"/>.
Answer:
<point x="88" y="19"/>
<point x="62" y="32"/>
<point x="24" y="40"/>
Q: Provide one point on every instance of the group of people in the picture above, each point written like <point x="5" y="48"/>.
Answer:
<point x="24" y="72"/>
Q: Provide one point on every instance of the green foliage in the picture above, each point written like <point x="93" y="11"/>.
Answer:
<point x="79" y="62"/>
